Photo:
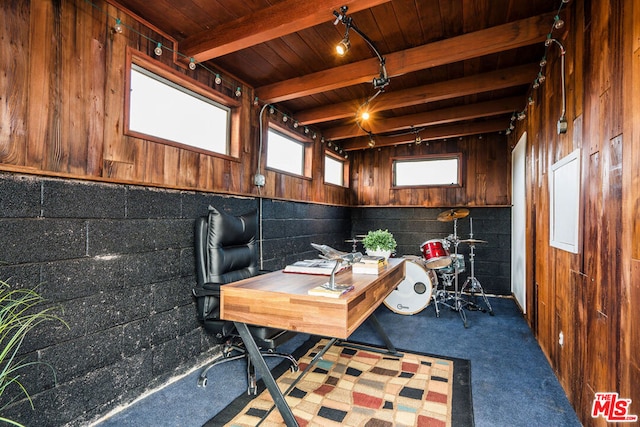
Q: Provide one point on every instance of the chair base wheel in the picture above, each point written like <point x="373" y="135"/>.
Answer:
<point x="202" y="382"/>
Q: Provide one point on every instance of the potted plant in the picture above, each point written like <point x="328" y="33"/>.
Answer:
<point x="20" y="312"/>
<point x="379" y="243"/>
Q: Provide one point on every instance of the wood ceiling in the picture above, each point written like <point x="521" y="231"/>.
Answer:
<point x="456" y="67"/>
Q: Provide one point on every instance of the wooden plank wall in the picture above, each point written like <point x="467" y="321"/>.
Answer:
<point x="63" y="111"/>
<point x="591" y="297"/>
<point x="486" y="164"/>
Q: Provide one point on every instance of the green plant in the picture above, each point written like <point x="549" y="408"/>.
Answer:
<point x="20" y="312"/>
<point x="379" y="239"/>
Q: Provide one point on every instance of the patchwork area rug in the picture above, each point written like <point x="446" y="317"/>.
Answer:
<point x="356" y="387"/>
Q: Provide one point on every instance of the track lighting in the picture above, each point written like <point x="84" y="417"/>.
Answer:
<point x="218" y="80"/>
<point x="192" y="64"/>
<point x="345" y="44"/>
<point x="238" y="92"/>
<point x="372" y="142"/>
<point x="158" y="49"/>
<point x="379" y="83"/>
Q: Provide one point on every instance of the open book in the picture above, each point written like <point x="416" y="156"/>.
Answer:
<point x="314" y="266"/>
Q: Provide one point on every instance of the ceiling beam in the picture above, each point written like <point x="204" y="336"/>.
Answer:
<point x="429" y="118"/>
<point x="432" y="133"/>
<point x="448" y="89"/>
<point x="471" y="45"/>
<point x="266" y="24"/>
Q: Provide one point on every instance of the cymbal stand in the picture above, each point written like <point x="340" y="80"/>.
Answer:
<point x="472" y="282"/>
<point x="458" y="302"/>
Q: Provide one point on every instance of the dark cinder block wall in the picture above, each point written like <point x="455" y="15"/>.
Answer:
<point x="413" y="226"/>
<point x="119" y="260"/>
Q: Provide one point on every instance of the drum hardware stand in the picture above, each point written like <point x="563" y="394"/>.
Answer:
<point x="474" y="285"/>
<point x="472" y="282"/>
<point x="458" y="302"/>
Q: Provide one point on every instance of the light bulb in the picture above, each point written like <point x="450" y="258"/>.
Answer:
<point x="365" y="115"/>
<point x="521" y="115"/>
<point x="158" y="49"/>
<point x="192" y="64"/>
<point x="543" y="61"/>
<point x="558" y="23"/>
<point x="418" y="140"/>
<point x="218" y="80"/>
<point x="343" y="46"/>
<point x="118" y="27"/>
<point x="285" y="118"/>
<point x="541" y="77"/>
<point x="296" y="124"/>
<point x="238" y="92"/>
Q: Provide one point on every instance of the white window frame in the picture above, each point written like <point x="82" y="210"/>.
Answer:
<point x="420" y="168"/>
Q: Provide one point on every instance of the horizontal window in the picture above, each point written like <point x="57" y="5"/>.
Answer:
<point x="427" y="171"/>
<point x="285" y="153"/>
<point x="334" y="170"/>
<point x="163" y="109"/>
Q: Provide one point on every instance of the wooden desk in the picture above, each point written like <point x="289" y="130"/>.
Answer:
<point x="281" y="300"/>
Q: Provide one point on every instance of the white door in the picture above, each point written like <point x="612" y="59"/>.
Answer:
<point x="519" y="223"/>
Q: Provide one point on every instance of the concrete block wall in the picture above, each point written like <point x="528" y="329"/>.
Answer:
<point x="119" y="260"/>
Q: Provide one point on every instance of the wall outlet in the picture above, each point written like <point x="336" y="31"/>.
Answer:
<point x="561" y="339"/>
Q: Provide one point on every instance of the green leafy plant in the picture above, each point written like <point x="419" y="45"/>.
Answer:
<point x="20" y="312"/>
<point x="379" y="240"/>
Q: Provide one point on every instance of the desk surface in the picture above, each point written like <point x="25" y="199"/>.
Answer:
<point x="281" y="300"/>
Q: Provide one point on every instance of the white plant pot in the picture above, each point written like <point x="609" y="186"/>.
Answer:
<point x="379" y="252"/>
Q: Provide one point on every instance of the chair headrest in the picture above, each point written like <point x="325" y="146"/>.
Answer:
<point x="228" y="230"/>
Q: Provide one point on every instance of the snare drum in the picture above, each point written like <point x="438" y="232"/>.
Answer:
<point x="413" y="294"/>
<point x="457" y="262"/>
<point x="435" y="255"/>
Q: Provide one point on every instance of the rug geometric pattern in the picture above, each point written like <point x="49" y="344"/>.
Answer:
<point x="358" y="387"/>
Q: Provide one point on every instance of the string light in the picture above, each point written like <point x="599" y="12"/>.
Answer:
<point x="558" y="23"/>
<point x="160" y="48"/>
<point x="118" y="26"/>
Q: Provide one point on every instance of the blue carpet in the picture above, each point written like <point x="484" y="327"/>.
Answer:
<point x="512" y="382"/>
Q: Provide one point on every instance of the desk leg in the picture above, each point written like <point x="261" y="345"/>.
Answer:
<point x="263" y="369"/>
<point x="391" y="349"/>
<point x="380" y="330"/>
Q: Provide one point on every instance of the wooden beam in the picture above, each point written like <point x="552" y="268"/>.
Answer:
<point x="266" y="24"/>
<point x="430" y="134"/>
<point x="472" y="45"/>
<point x="429" y="118"/>
<point x="449" y="89"/>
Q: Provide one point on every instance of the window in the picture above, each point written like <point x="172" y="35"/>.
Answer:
<point x="334" y="170"/>
<point x="285" y="153"/>
<point x="161" y="108"/>
<point x="427" y="171"/>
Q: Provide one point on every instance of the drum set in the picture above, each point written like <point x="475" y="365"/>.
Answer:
<point x="435" y="275"/>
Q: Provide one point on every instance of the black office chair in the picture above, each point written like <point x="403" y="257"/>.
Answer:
<point x="225" y="251"/>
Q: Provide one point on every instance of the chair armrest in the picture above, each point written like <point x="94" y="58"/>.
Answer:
<point x="207" y="290"/>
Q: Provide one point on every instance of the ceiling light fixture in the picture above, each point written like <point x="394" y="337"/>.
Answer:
<point x="379" y="83"/>
<point x="345" y="44"/>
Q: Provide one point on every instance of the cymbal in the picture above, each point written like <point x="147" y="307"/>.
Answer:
<point x="472" y="241"/>
<point x="452" y="214"/>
